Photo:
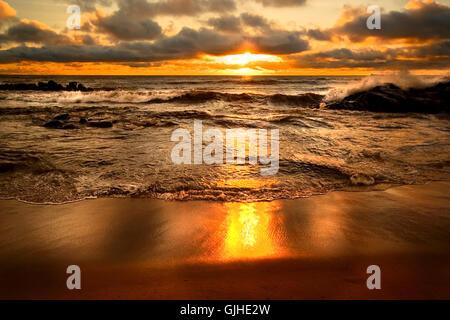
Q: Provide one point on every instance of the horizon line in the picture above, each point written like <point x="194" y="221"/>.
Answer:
<point x="205" y="75"/>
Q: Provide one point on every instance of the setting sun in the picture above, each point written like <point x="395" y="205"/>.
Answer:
<point x="246" y="58"/>
<point x="244" y="64"/>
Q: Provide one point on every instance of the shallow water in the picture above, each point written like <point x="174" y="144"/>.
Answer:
<point x="320" y="150"/>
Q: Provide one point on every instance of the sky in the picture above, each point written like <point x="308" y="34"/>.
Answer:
<point x="224" y="37"/>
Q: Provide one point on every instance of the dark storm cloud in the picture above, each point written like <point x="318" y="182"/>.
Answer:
<point x="187" y="44"/>
<point x="318" y="34"/>
<point x="281" y="42"/>
<point x="64" y="54"/>
<point x="144" y="8"/>
<point x="29" y="31"/>
<point x="121" y="27"/>
<point x="267" y="40"/>
<point x="132" y="20"/>
<point x="441" y="49"/>
<point x="229" y="23"/>
<point x="430" y="21"/>
<point x="88" y="40"/>
<point x="282" y="3"/>
<point x="226" y="23"/>
<point x="436" y="55"/>
<point x="347" y="54"/>
<point x="255" y="21"/>
<point x="88" y="5"/>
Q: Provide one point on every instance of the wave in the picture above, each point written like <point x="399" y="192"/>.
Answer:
<point x="156" y="97"/>
<point x="63" y="188"/>
<point x="205" y="96"/>
<point x="14" y="161"/>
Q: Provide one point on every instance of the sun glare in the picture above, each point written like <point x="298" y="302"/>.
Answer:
<point x="246" y="58"/>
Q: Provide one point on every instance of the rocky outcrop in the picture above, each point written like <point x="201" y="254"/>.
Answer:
<point x="390" y="98"/>
<point x="100" y="124"/>
<point x="44" y="86"/>
<point x="65" y="122"/>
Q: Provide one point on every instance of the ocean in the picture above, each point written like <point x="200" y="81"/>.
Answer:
<point x="320" y="149"/>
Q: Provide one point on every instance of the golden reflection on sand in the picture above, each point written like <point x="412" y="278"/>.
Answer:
<point x="253" y="230"/>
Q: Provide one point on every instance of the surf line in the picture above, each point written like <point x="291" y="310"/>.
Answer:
<point x="237" y="142"/>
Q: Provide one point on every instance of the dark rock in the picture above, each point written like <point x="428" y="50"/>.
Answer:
<point x="72" y="86"/>
<point x="63" y="117"/>
<point x="18" y="86"/>
<point x="390" y="98"/>
<point x="53" y="86"/>
<point x="54" y="124"/>
<point x="42" y="86"/>
<point x="168" y="124"/>
<point x="362" y="179"/>
<point x="150" y="123"/>
<point x="82" y="121"/>
<point x="69" y="127"/>
<point x="100" y="124"/>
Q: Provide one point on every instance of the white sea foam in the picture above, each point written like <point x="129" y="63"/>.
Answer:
<point x="402" y="79"/>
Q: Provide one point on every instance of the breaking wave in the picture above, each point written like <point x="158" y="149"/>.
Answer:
<point x="392" y="98"/>
<point x="204" y="96"/>
<point x="403" y="80"/>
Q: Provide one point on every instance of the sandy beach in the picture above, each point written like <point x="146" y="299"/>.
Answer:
<point x="311" y="248"/>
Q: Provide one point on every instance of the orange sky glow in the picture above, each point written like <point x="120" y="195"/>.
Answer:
<point x="210" y="37"/>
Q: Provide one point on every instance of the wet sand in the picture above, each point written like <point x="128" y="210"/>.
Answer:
<point x="312" y="248"/>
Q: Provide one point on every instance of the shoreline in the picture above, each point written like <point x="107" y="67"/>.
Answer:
<point x="356" y="189"/>
<point x="307" y="248"/>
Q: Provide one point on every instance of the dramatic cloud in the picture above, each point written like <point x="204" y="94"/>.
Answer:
<point x="420" y="20"/>
<point x="319" y="34"/>
<point x="436" y="55"/>
<point x="132" y="20"/>
<point x="121" y="27"/>
<point x="283" y="42"/>
<point x="145" y="9"/>
<point x="346" y="54"/>
<point x="187" y="44"/>
<point x="33" y="32"/>
<point x="88" y="5"/>
<point x="255" y="21"/>
<point x="438" y="50"/>
<point x="231" y="23"/>
<point x="282" y="3"/>
<point x="226" y="24"/>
